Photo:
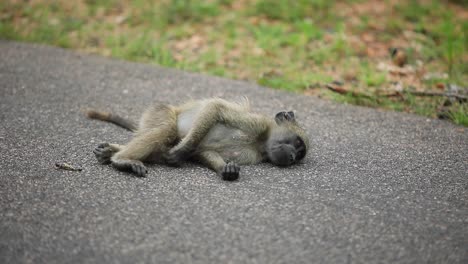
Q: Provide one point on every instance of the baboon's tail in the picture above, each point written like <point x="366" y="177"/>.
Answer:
<point x="108" y="117"/>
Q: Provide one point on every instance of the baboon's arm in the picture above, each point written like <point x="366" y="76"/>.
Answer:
<point x="211" y="159"/>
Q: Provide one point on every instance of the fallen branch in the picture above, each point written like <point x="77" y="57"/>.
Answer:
<point x="452" y="95"/>
<point x="459" y="97"/>
<point x="338" y="89"/>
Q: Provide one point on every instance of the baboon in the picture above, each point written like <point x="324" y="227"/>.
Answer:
<point x="217" y="133"/>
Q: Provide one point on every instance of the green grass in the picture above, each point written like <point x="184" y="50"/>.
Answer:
<point x="290" y="45"/>
<point x="370" y="77"/>
<point x="290" y="11"/>
<point x="189" y="11"/>
<point x="7" y="31"/>
<point x="459" y="114"/>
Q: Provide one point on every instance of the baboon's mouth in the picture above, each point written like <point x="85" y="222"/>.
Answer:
<point x="281" y="157"/>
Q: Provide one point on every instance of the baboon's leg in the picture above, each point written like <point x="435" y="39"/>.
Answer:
<point x="144" y="144"/>
<point x="105" y="151"/>
<point x="211" y="114"/>
<point x="211" y="159"/>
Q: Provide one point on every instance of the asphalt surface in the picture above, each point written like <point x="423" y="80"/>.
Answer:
<point x="376" y="187"/>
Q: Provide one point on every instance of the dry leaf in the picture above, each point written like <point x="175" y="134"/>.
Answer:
<point x="440" y="86"/>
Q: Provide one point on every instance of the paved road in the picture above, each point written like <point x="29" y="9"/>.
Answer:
<point x="377" y="187"/>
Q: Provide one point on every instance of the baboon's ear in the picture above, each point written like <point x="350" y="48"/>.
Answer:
<point x="284" y="116"/>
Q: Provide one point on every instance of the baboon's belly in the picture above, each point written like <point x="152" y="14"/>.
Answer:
<point x="232" y="144"/>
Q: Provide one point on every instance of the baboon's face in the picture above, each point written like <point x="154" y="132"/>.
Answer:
<point x="286" y="146"/>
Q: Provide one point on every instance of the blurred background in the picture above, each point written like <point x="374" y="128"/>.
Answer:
<point x="402" y="55"/>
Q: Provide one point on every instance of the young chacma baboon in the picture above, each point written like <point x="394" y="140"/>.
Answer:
<point x="221" y="135"/>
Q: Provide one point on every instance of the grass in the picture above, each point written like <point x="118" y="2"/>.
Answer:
<point x="298" y="46"/>
<point x="290" y="11"/>
<point x="458" y="114"/>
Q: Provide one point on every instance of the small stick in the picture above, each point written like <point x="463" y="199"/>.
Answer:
<point x="342" y="90"/>
<point x="66" y="166"/>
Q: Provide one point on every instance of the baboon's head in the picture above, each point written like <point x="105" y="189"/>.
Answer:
<point x="288" y="142"/>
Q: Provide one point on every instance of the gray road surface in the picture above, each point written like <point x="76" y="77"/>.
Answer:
<point x="377" y="187"/>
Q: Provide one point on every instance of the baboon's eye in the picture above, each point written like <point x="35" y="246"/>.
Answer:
<point x="298" y="143"/>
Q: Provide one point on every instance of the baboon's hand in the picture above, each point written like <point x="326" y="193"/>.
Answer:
<point x="230" y="171"/>
<point x="139" y="169"/>
<point x="177" y="155"/>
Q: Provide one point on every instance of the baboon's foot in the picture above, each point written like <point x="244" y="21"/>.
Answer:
<point x="104" y="152"/>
